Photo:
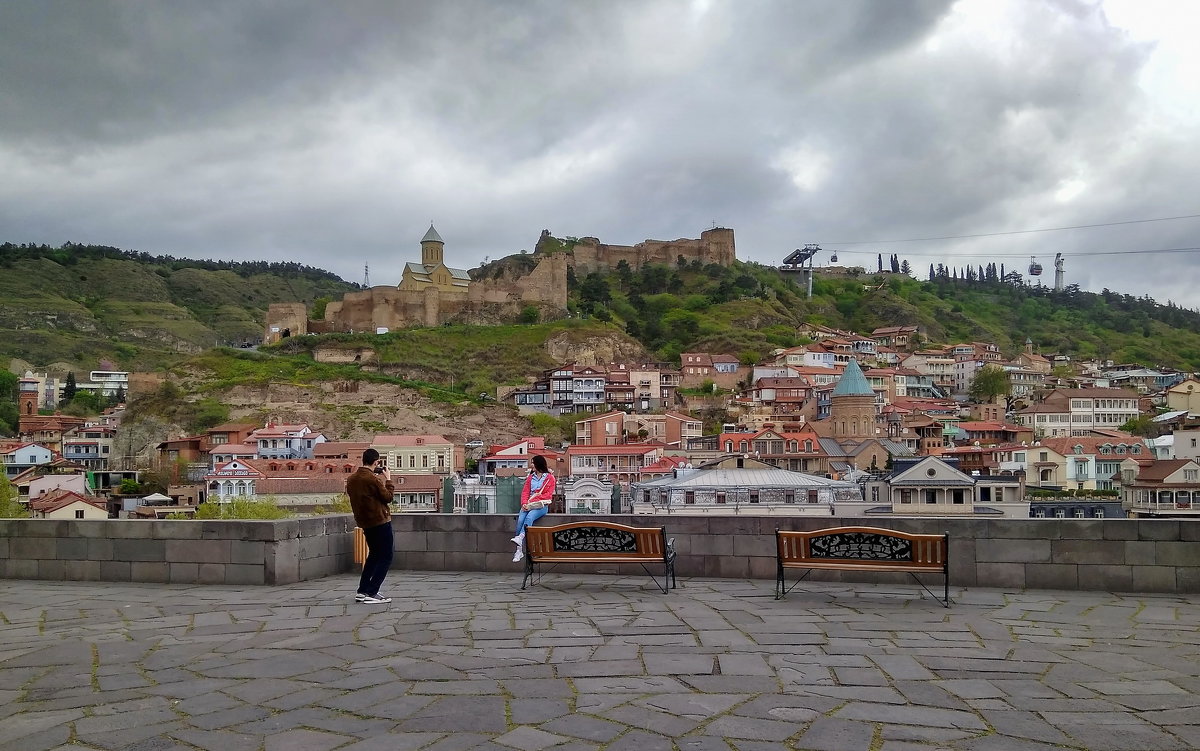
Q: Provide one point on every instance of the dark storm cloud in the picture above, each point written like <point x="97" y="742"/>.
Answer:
<point x="332" y="133"/>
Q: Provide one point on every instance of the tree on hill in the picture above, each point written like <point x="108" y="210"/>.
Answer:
<point x="990" y="382"/>
<point x="8" y="403"/>
<point x="9" y="507"/>
<point x="70" y="388"/>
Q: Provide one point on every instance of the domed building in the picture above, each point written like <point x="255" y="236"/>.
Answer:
<point x="852" y="413"/>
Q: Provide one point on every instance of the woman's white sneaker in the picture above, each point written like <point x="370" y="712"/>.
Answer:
<point x="518" y="555"/>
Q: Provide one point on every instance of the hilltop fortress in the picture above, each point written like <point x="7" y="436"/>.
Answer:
<point x="431" y="293"/>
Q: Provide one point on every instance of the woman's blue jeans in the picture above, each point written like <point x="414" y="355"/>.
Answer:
<point x="527" y="518"/>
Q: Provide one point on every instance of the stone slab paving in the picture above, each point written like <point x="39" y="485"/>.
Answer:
<point x="469" y="661"/>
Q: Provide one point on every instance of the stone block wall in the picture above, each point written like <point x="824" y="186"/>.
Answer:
<point x="176" y="552"/>
<point x="1120" y="555"/>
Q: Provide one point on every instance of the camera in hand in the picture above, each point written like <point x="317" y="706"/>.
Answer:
<point x="378" y="470"/>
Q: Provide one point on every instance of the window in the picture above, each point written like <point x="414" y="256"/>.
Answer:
<point x="1098" y="513"/>
<point x="1044" y="456"/>
<point x="1060" y="513"/>
<point x="789" y="496"/>
<point x="813" y="496"/>
<point x="1019" y="457"/>
<point x="931" y="496"/>
<point x="689" y="496"/>
<point x="754" y="496"/>
<point x="1039" y="513"/>
<point x="412" y="461"/>
<point x="958" y="496"/>
<point x="1078" y="513"/>
<point x="79" y="513"/>
<point x="720" y="496"/>
<point x="424" y="462"/>
<point x="906" y="496"/>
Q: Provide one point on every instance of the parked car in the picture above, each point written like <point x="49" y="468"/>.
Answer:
<point x="476" y="444"/>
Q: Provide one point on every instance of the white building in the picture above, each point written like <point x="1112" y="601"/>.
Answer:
<point x="768" y="492"/>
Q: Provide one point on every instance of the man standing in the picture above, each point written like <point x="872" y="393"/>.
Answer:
<point x="371" y="490"/>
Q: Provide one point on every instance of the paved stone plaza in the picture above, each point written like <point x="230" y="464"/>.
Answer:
<point x="463" y="661"/>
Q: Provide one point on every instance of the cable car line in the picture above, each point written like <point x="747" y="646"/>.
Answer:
<point x="1013" y="232"/>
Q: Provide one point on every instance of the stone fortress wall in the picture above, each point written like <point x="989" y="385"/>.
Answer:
<point x="492" y="301"/>
<point x="714" y="246"/>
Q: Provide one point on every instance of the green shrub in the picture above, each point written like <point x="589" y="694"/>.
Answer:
<point x="242" y="508"/>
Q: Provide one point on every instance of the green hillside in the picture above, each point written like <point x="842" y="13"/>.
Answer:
<point x="80" y="304"/>
<point x="749" y="309"/>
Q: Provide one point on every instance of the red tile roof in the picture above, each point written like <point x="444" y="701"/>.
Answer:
<point x="55" y="500"/>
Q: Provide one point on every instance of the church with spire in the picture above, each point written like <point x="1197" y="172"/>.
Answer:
<point x="432" y="272"/>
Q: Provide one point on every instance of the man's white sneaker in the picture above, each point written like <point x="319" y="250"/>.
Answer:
<point x="359" y="597"/>
<point x="518" y="555"/>
<point x="369" y="600"/>
<point x="518" y="539"/>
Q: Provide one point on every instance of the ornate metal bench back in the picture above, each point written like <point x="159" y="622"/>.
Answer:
<point x="863" y="544"/>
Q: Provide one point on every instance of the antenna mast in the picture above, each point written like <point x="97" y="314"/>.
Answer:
<point x="366" y="276"/>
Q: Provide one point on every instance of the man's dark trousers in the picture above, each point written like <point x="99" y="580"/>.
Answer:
<point x="379" y="558"/>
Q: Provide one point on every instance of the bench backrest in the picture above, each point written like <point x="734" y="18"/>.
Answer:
<point x="587" y="539"/>
<point x="872" y="545"/>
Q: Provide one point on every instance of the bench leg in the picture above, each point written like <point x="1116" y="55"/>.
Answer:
<point x="662" y="587"/>
<point x="945" y="602"/>
<point x="781" y="587"/>
<point x="528" y="572"/>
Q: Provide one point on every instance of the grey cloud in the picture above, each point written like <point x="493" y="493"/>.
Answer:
<point x="332" y="133"/>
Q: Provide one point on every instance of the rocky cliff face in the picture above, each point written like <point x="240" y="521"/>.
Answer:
<point x="567" y="347"/>
<point x="357" y="411"/>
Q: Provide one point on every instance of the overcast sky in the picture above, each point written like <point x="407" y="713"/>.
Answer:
<point x="332" y="133"/>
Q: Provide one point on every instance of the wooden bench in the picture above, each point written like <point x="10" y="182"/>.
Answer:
<point x="862" y="549"/>
<point x="599" y="542"/>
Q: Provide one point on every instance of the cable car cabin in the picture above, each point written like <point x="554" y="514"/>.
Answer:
<point x="1035" y="269"/>
<point x="833" y="258"/>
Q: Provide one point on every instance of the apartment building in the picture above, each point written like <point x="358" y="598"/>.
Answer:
<point x="1077" y="412"/>
<point x="419" y="454"/>
<point x="91" y="446"/>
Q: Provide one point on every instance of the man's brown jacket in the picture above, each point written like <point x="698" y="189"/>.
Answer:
<point x="369" y="498"/>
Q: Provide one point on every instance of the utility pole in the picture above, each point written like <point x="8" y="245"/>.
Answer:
<point x="366" y="276"/>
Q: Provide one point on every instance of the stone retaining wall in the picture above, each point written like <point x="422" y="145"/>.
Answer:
<point x="1119" y="555"/>
<point x="176" y="552"/>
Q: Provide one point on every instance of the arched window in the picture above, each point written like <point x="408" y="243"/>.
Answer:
<point x="346" y="469"/>
<point x="291" y="466"/>
<point x="1121" y="449"/>
<point x="1078" y="449"/>
<point x="310" y="466"/>
<point x="329" y="469"/>
<point x="273" y="467"/>
<point x="1135" y="449"/>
